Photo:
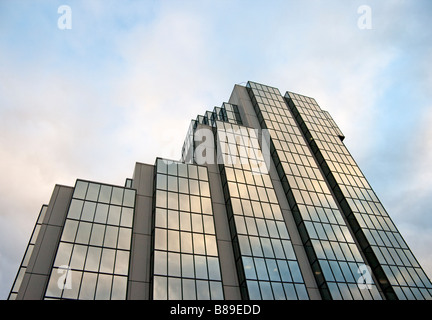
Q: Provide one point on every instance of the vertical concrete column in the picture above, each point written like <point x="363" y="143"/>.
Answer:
<point x="223" y="235"/>
<point x="139" y="270"/>
<point x="40" y="264"/>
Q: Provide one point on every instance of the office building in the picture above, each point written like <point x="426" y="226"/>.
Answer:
<point x="266" y="202"/>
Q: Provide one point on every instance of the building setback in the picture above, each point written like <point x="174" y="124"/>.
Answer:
<point x="265" y="203"/>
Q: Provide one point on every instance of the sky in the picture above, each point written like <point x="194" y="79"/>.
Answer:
<point x="122" y="84"/>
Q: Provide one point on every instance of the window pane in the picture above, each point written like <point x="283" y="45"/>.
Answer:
<point x="97" y="235"/>
<point x="75" y="281"/>
<point x="185" y="221"/>
<point x="101" y="213"/>
<point x="117" y="196"/>
<point x="284" y="270"/>
<point x="88" y="211"/>
<point x="203" y="173"/>
<point x="105" y="194"/>
<point x="83" y="235"/>
<point x="204" y="188"/>
<point x="80" y="189"/>
<point x="183" y="185"/>
<point x="189" y="292"/>
<point x="272" y="269"/>
<point x="111" y="234"/>
<point x="184" y="202"/>
<point x="124" y="240"/>
<point x="251" y="226"/>
<point x="277" y="247"/>
<point x="290" y="292"/>
<point x="211" y="245"/>
<point x="208" y="224"/>
<point x="119" y="288"/>
<point x="249" y="267"/>
<point x="173" y="200"/>
<point x="88" y="286"/>
<point x="93" y="259"/>
<point x="173" y="219"/>
<point x="244" y="245"/>
<point x="188" y="266"/>
<point x="103" y="289"/>
<point x="160" y="263"/>
<point x="289" y="250"/>
<point x="93" y="192"/>
<point x="114" y="215"/>
<point x="266" y="290"/>
<point x="63" y="254"/>
<point x="160" y="239"/>
<point x="173" y="240"/>
<point x="295" y="271"/>
<point x="198" y="240"/>
<point x="197" y="225"/>
<point x="160" y="288"/>
<point x="172" y="184"/>
<point x="69" y="230"/>
<point x="201" y="267"/>
<point x="122" y="263"/>
<point x="161" y="218"/>
<point x="75" y="209"/>
<point x="53" y="289"/>
<point x="206" y="205"/>
<point x="172" y="168"/>
<point x="107" y="261"/>
<point x="213" y="268"/>
<point x="254" y="291"/>
<point x="193" y="172"/>
<point x="174" y="264"/>
<point x="195" y="204"/>
<point x="216" y="291"/>
<point x="161" y="166"/>
<point x="126" y="217"/>
<point x="261" y="269"/>
<point x="186" y="242"/>
<point x="278" y="291"/>
<point x="78" y="256"/>
<point x="267" y="249"/>
<point x="174" y="289"/>
<point x="182" y="170"/>
<point x="256" y="246"/>
<point x="129" y="198"/>
<point x="203" y="292"/>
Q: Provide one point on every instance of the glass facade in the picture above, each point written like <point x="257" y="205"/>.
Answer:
<point x="333" y="254"/>
<point x="185" y="257"/>
<point x="390" y="258"/>
<point x="92" y="260"/>
<point x="266" y="263"/>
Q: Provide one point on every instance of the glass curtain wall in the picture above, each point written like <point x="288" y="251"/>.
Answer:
<point x="92" y="260"/>
<point x="185" y="257"/>
<point x="392" y="261"/>
<point x="266" y="263"/>
<point x="334" y="256"/>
